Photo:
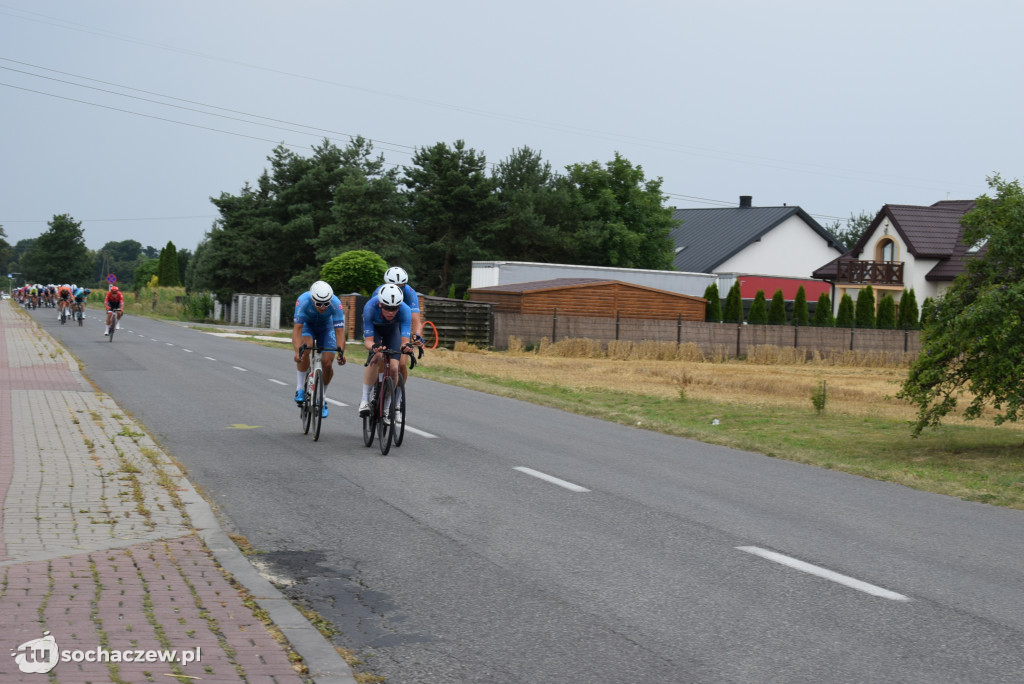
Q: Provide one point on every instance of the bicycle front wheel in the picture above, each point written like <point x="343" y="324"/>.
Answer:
<point x="386" y="422"/>
<point x="399" y="426"/>
<point x="318" y="403"/>
<point x="370" y="419"/>
<point x="305" y="413"/>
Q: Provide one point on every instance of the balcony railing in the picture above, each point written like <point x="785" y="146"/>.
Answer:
<point x="873" y="272"/>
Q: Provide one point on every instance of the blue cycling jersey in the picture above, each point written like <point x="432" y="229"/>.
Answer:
<point x="307" y="315"/>
<point x="411" y="298"/>
<point x="373" y="318"/>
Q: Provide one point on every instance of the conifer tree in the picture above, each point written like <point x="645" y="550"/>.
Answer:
<point x="800" y="313"/>
<point x="886" y="318"/>
<point x="865" y="312"/>
<point x="777" y="310"/>
<point x="844" y="318"/>
<point x="758" y="310"/>
<point x="733" y="305"/>
<point x="713" y="310"/>
<point x="823" y="316"/>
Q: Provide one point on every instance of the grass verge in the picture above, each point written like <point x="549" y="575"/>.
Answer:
<point x="972" y="462"/>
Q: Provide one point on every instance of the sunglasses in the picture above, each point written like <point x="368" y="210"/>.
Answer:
<point x="322" y="306"/>
<point x="389" y="308"/>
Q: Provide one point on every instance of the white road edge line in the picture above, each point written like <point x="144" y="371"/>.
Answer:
<point x="209" y="358"/>
<point x="550" y="478"/>
<point x="822" y="572"/>
<point x="333" y="401"/>
<point x="277" y="382"/>
<point x="186" y="350"/>
<point x="421" y="433"/>
<point x="239" y="368"/>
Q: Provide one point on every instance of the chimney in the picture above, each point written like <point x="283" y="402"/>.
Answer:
<point x="745" y="200"/>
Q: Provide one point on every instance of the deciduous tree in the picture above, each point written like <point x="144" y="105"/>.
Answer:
<point x="973" y="344"/>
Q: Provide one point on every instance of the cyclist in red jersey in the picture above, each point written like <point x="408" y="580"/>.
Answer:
<point x="114" y="301"/>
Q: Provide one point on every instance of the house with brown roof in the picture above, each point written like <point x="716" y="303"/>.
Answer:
<point x="905" y="247"/>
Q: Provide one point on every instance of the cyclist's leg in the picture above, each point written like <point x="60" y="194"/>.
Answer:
<point x="303" y="365"/>
<point x="327" y="340"/>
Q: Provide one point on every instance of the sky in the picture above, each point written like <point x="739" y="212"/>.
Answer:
<point x="129" y="115"/>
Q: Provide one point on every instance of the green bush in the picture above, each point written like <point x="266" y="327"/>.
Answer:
<point x="800" y="313"/>
<point x="355" y="271"/>
<point x="713" y="312"/>
<point x="777" y="309"/>
<point x="907" y="319"/>
<point x="823" y="317"/>
<point x="845" y="319"/>
<point x="886" y="318"/>
<point x="865" y="315"/>
<point x="758" y="310"/>
<point x="733" y="305"/>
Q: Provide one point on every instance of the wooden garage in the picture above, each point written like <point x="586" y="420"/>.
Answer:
<point x="592" y="297"/>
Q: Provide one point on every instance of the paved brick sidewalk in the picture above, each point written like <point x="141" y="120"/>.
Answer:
<point x="95" y="549"/>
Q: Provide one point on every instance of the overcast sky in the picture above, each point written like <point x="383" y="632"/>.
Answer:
<point x="130" y="114"/>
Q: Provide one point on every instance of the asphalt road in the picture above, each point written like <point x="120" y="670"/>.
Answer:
<point x="649" y="559"/>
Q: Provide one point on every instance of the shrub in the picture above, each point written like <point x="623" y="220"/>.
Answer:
<point x="777" y="310"/>
<point x="886" y="319"/>
<point x="733" y="305"/>
<point x="844" y="319"/>
<point x="907" y="319"/>
<point x="865" y="316"/>
<point x="758" y="310"/>
<point x="713" y="311"/>
<point x="355" y="271"/>
<point x="800" y="313"/>
<point x="823" y="317"/>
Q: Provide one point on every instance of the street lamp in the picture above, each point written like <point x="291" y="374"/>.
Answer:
<point x="10" y="278"/>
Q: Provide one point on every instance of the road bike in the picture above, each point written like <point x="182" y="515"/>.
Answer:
<point x="382" y="420"/>
<point x="112" y="320"/>
<point x="77" y="311"/>
<point x="311" y="408"/>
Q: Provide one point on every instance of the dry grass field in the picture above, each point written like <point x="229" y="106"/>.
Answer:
<point x="762" y="403"/>
<point x="856" y="383"/>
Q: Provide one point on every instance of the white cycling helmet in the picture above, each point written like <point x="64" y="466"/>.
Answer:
<point x="391" y="295"/>
<point x="396" y="275"/>
<point x="321" y="292"/>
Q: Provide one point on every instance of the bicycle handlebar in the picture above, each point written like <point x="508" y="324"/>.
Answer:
<point x="387" y="352"/>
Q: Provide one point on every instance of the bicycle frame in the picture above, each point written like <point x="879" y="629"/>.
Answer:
<point x="311" y="408"/>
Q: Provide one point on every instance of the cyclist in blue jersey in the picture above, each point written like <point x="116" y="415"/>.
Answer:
<point x="320" y="320"/>
<point x="396" y="275"/>
<point x="386" y="324"/>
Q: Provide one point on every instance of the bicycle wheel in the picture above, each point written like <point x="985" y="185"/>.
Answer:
<point x="63" y="317"/>
<point x="399" y="428"/>
<point x="430" y="338"/>
<point x="370" y="419"/>
<point x="386" y="428"/>
<point x="305" y="412"/>
<point x="81" y="318"/>
<point x="318" y="403"/>
<point x="113" y="327"/>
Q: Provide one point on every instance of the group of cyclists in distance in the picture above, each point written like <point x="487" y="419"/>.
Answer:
<point x="391" y="323"/>
<point x="70" y="300"/>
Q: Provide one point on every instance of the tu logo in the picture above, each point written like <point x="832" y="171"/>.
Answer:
<point x="38" y="656"/>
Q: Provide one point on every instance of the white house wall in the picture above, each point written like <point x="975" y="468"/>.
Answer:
<point x="792" y="249"/>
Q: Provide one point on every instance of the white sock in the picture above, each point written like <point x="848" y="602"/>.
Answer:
<point x="300" y="377"/>
<point x="366" y="393"/>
